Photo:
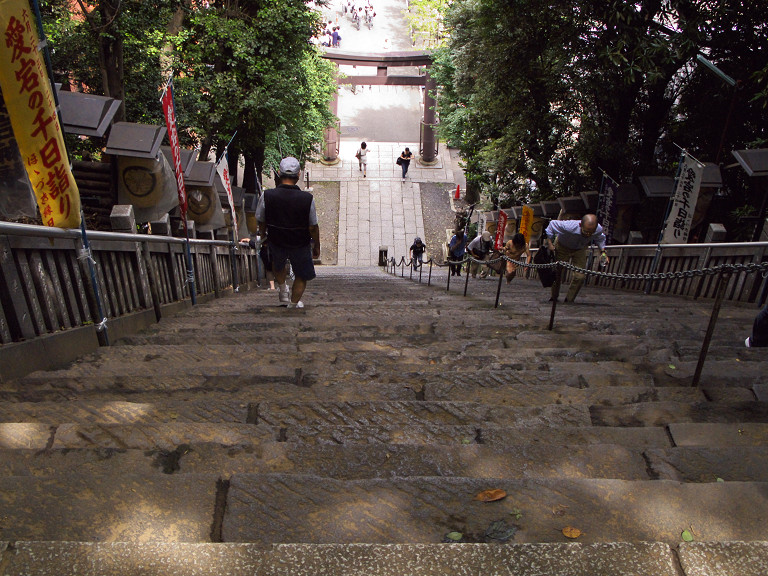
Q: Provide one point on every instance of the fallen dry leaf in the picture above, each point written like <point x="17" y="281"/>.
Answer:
<point x="491" y="495"/>
<point x="571" y="532"/>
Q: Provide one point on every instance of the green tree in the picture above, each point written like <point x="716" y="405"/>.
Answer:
<point x="248" y="67"/>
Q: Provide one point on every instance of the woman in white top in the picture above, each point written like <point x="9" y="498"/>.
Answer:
<point x="362" y="157"/>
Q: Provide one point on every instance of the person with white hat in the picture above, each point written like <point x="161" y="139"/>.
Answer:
<point x="480" y="249"/>
<point x="287" y="215"/>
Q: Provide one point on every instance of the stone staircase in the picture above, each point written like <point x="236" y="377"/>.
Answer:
<point x="353" y="437"/>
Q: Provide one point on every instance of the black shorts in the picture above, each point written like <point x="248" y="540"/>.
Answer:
<point x="301" y="260"/>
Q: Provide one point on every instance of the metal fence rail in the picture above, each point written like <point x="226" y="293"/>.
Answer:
<point x="45" y="287"/>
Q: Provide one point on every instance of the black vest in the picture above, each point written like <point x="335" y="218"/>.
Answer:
<point x="287" y="216"/>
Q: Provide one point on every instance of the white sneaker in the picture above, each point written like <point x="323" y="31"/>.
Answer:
<point x="284" y="295"/>
<point x="748" y="342"/>
<point x="298" y="304"/>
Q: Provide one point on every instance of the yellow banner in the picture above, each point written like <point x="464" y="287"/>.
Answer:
<point x="31" y="106"/>
<point x="526" y="223"/>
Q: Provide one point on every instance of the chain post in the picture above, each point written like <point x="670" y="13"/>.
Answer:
<point x="555" y="296"/>
<point x="466" y="278"/>
<point x="722" y="285"/>
<point x="498" y="286"/>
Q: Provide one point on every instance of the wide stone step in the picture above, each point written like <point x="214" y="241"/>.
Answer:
<point x="109" y="508"/>
<point x="527" y="389"/>
<point x="350" y="462"/>
<point x="700" y="464"/>
<point x="264" y="509"/>
<point x="148" y="388"/>
<point x="289" y="414"/>
<point x="663" y="413"/>
<point x="554" y="559"/>
<point x="721" y="435"/>
<point x="480" y="433"/>
<point x="122" y="412"/>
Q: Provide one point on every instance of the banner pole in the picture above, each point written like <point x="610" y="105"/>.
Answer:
<point x="169" y="112"/>
<point x="101" y="325"/>
<point x="657" y="255"/>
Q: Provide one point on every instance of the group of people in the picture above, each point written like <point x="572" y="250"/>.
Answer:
<point x="567" y="239"/>
<point x="329" y="36"/>
<point x="481" y="249"/>
<point x="360" y="11"/>
<point x="404" y="160"/>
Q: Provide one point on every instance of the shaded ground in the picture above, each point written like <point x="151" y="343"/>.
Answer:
<point x="436" y="207"/>
<point x="327" y="204"/>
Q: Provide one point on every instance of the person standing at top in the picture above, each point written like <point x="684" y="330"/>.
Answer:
<point x="573" y="237"/>
<point x="287" y="215"/>
<point x="362" y="158"/>
<point x="405" y="161"/>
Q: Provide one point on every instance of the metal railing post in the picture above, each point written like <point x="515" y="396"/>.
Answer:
<point x="498" y="286"/>
<point x="555" y="295"/>
<point x="722" y="286"/>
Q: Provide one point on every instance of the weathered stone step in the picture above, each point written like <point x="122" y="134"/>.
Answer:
<point x="262" y="509"/>
<point x="148" y="388"/>
<point x="527" y="391"/>
<point x="351" y="462"/>
<point x="347" y="462"/>
<point x="109" y="508"/>
<point x="704" y="464"/>
<point x="663" y="413"/>
<point x="480" y="433"/>
<point x="721" y="435"/>
<point x="289" y="414"/>
<point x="554" y="559"/>
<point x="122" y="412"/>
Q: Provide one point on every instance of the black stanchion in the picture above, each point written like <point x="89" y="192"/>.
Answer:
<point x="498" y="287"/>
<point x="555" y="296"/>
<point x="466" y="279"/>
<point x="722" y="285"/>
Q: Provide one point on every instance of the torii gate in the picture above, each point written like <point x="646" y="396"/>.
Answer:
<point x="427" y="143"/>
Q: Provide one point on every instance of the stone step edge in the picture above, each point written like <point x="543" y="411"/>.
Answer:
<point x="553" y="559"/>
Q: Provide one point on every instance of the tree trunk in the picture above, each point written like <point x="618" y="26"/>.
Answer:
<point x="111" y="58"/>
<point x="249" y="174"/>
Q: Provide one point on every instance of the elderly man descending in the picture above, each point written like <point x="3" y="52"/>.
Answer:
<point x="573" y="239"/>
<point x="287" y="214"/>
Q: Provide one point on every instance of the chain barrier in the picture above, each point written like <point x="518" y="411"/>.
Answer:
<point x="752" y="267"/>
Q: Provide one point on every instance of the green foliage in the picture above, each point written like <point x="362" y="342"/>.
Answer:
<point x="244" y="66"/>
<point x="425" y="18"/>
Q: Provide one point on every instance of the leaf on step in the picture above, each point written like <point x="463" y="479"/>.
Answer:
<point x="672" y="367"/>
<point x="466" y="440"/>
<point x="453" y="537"/>
<point x="719" y="480"/>
<point x="491" y="495"/>
<point x="686" y="536"/>
<point x="571" y="532"/>
<point x="500" y="531"/>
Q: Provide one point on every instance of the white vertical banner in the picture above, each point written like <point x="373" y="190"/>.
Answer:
<point x="678" y="224"/>
<point x="223" y="169"/>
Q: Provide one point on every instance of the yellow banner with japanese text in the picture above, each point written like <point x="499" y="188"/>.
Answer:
<point x="526" y="223"/>
<point x="29" y="100"/>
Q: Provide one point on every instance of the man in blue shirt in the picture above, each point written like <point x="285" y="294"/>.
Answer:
<point x="573" y="239"/>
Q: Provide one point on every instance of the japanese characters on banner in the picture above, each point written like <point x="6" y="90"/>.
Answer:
<point x="169" y="111"/>
<point x="223" y="169"/>
<point x="607" y="208"/>
<point x="31" y="106"/>
<point x="678" y="224"/>
<point x="498" y="242"/>
<point x="526" y="223"/>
